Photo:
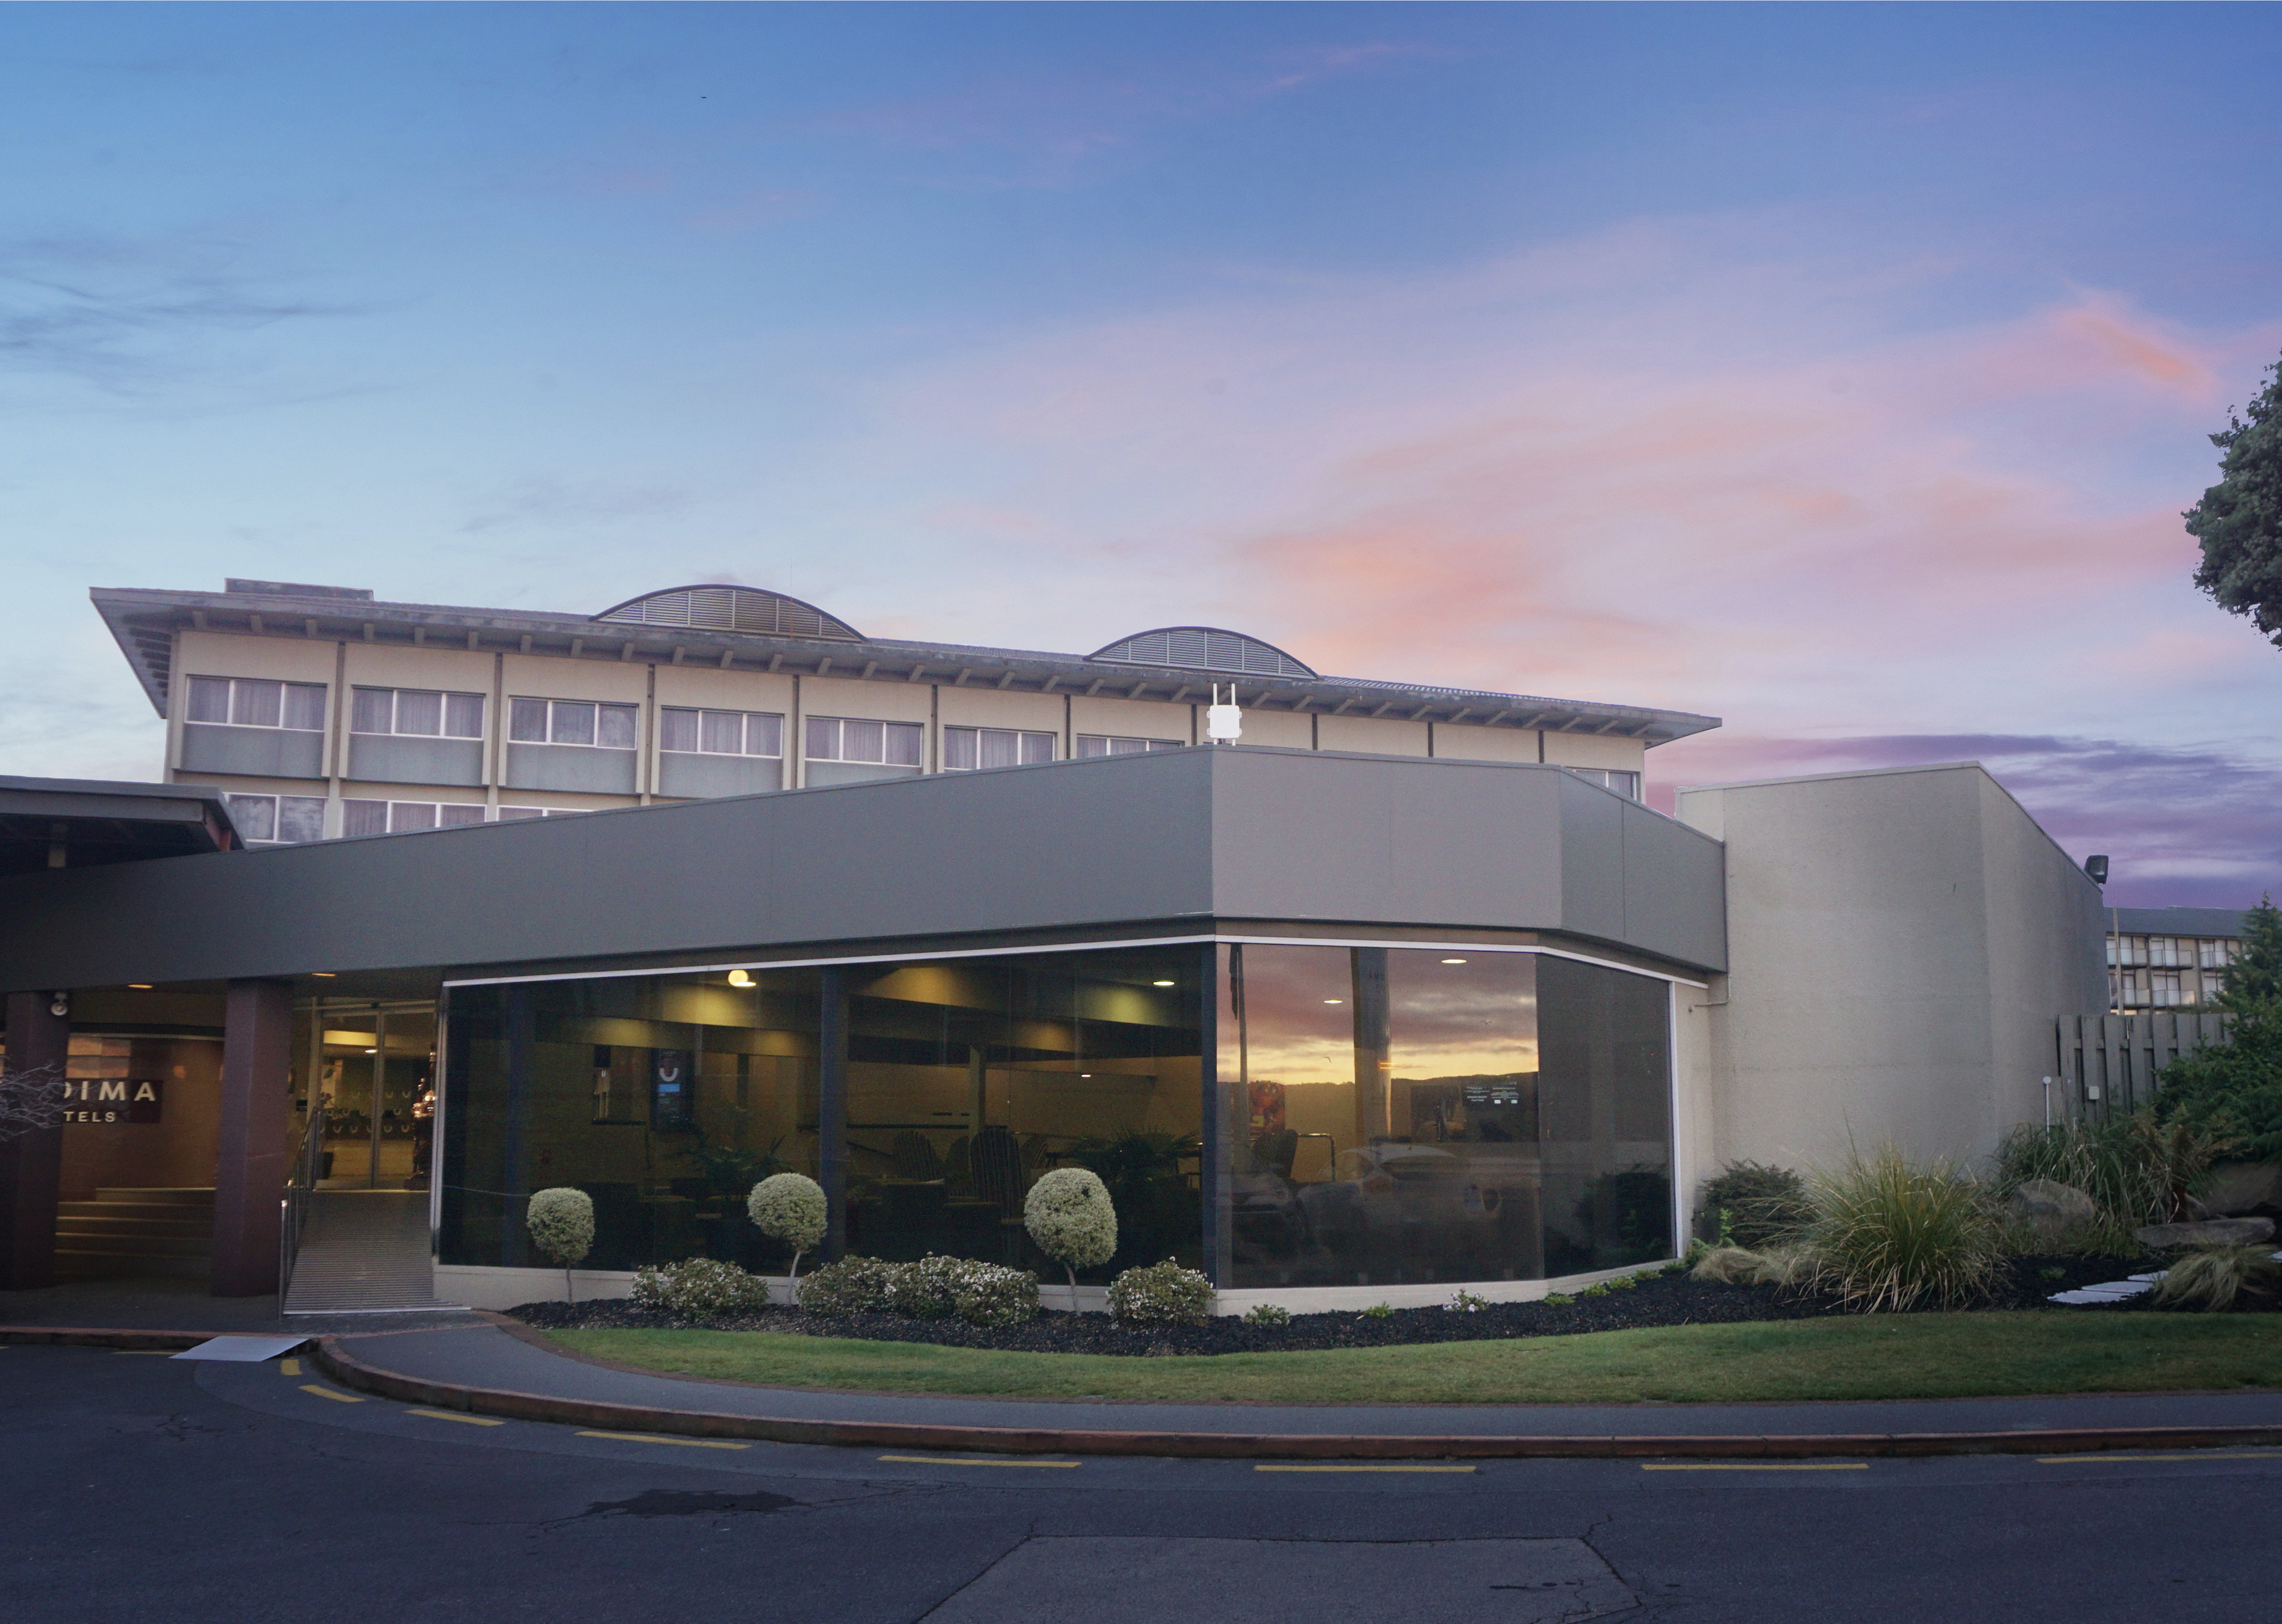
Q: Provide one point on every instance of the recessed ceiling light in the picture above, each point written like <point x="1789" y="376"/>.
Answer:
<point x="1161" y="984"/>
<point x="327" y="974"/>
<point x="1335" y="1000"/>
<point x="372" y="1050"/>
<point x="1453" y="961"/>
<point x="740" y="978"/>
<point x="1085" y="1074"/>
<point x="138" y="986"/>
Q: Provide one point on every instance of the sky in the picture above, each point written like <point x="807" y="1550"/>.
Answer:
<point x="1839" y="371"/>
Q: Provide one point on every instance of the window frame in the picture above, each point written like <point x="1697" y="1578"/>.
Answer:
<point x="598" y="706"/>
<point x="286" y="687"/>
<point x="276" y="799"/>
<point x="1111" y="741"/>
<point x="445" y="696"/>
<point x="745" y="734"/>
<point x="889" y="731"/>
<point x="388" y="816"/>
<point x="1022" y="737"/>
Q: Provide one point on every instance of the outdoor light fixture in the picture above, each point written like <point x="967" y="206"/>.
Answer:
<point x="740" y="978"/>
<point x="1335" y="1000"/>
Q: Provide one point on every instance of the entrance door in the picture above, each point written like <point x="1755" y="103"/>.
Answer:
<point x="375" y="1073"/>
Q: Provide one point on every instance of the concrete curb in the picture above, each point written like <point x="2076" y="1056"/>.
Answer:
<point x="353" y="1373"/>
<point x="95" y="1336"/>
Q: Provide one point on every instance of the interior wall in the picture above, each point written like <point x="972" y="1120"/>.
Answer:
<point x="176" y="1152"/>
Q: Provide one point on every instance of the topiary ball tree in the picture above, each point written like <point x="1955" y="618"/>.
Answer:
<point x="790" y="1208"/>
<point x="562" y="1225"/>
<point x="1070" y="1216"/>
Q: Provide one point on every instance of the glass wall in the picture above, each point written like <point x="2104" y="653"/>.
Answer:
<point x="1399" y="1115"/>
<point x="961" y="1082"/>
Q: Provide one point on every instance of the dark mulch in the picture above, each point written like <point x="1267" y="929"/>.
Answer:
<point x="1659" y="1300"/>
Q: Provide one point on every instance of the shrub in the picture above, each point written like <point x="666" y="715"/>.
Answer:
<point x="2211" y="1278"/>
<point x="1740" y="1266"/>
<point x="1466" y="1303"/>
<point x="1267" y="1314"/>
<point x="1751" y="1206"/>
<point x="1623" y="1282"/>
<point x="1378" y="1310"/>
<point x="700" y="1285"/>
<point x="562" y="1225"/>
<point x="934" y="1288"/>
<point x="1595" y="1290"/>
<point x="1161" y="1295"/>
<point x="1070" y="1216"/>
<point x="2135" y="1169"/>
<point x="1888" y="1233"/>
<point x="789" y="1208"/>
<point x="1557" y="1300"/>
<point x="852" y="1286"/>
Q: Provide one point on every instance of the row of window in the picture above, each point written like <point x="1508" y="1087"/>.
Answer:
<point x="292" y="820"/>
<point x="2200" y="953"/>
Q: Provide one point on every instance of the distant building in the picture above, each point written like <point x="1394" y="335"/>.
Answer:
<point x="2169" y="958"/>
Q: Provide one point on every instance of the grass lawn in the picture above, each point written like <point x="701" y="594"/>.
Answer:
<point x="1918" y="1356"/>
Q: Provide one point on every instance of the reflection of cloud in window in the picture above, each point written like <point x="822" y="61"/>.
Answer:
<point x="1470" y="1019"/>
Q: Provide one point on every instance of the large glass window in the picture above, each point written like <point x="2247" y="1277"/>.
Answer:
<point x="1402" y="1115"/>
<point x="965" y="750"/>
<point x="1106" y="744"/>
<point x="407" y="817"/>
<point x="571" y="721"/>
<point x="835" y="738"/>
<point x="252" y="702"/>
<point x="277" y="819"/>
<point x="720" y="733"/>
<point x="417" y="712"/>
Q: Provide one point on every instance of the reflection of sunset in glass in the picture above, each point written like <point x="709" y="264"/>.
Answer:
<point x="1297" y="1036"/>
<point x="1475" y="1017"/>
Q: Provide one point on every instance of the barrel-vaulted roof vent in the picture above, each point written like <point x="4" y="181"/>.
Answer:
<point x="733" y="609"/>
<point x="1202" y="648"/>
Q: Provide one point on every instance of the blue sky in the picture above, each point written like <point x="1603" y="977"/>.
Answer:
<point x="1838" y="370"/>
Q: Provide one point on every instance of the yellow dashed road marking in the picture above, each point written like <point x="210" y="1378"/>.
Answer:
<point x="1362" y="1468"/>
<point x="453" y="1415"/>
<point x="338" y="1398"/>
<point x="288" y="1367"/>
<point x="1739" y="1466"/>
<point x="939" y="1460"/>
<point x="686" y="1443"/>
<point x="144" y="1352"/>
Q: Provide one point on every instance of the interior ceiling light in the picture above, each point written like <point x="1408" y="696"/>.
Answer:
<point x="372" y="1050"/>
<point x="138" y="986"/>
<point x="1453" y="961"/>
<point x="740" y="978"/>
<point x="327" y="974"/>
<point x="1160" y="983"/>
<point x="1335" y="1000"/>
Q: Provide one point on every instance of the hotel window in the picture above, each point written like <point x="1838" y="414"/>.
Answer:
<point x="1102" y="745"/>
<point x="406" y="817"/>
<point x="517" y="814"/>
<point x="1626" y="784"/>
<point x="2164" y="951"/>
<point x="833" y="738"/>
<point x="2127" y="950"/>
<point x="570" y="721"/>
<point x="419" y="712"/>
<point x="253" y="701"/>
<point x="277" y="820"/>
<point x="2211" y="954"/>
<point x="2164" y="988"/>
<point x="965" y="749"/>
<point x="720" y="733"/>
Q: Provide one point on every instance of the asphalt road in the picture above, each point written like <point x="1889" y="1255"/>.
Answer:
<point x="140" y="1488"/>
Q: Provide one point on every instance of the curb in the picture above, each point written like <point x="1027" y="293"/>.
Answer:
<point x="95" y="1336"/>
<point x="353" y="1373"/>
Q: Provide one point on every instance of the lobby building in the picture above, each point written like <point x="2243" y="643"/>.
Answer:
<point x="1405" y="991"/>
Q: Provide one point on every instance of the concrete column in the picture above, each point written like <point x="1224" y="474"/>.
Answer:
<point x="257" y="1057"/>
<point x="832" y="1110"/>
<point x="31" y="1163"/>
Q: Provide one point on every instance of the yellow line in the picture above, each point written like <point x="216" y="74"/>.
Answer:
<point x="2101" y="1460"/>
<point x="1362" y="1468"/>
<point x="338" y="1398"/>
<point x="938" y="1460"/>
<point x="1835" y="1465"/>
<point x="688" y="1443"/>
<point x="143" y="1353"/>
<point x="448" y="1415"/>
<point x="288" y="1367"/>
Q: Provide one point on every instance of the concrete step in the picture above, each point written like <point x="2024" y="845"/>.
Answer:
<point x="134" y="1228"/>
<point x="163" y="1197"/>
<point x="137" y="1246"/>
<point x="77" y="1265"/>
<point x="112" y="1214"/>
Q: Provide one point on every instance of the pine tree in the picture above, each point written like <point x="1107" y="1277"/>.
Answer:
<point x="2239" y="521"/>
<point x="2253" y="983"/>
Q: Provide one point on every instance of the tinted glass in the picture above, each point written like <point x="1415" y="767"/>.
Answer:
<point x="823" y="741"/>
<point x="526" y="721"/>
<point x="300" y="816"/>
<point x="209" y="699"/>
<point x="905" y="741"/>
<point x="463" y="716"/>
<point x="573" y="722"/>
<point x="364" y="818"/>
<point x="765" y="735"/>
<point x="615" y="728"/>
<point x="410" y="816"/>
<point x="256" y="704"/>
<point x="723" y="732"/>
<point x="677" y="728"/>
<point x="862" y="741"/>
<point x="419" y="712"/>
<point x="959" y="751"/>
<point x="255" y="816"/>
<point x="305" y="706"/>
<point x="459" y="816"/>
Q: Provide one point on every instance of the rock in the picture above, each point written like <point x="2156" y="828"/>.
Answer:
<point x="2051" y="1208"/>
<point x="2209" y="1233"/>
<point x="2237" y="1187"/>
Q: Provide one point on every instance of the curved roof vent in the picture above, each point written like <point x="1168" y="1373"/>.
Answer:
<point x="733" y="609"/>
<point x="1202" y="648"/>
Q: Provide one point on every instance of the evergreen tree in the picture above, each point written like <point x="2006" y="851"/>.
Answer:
<point x="2253" y="981"/>
<point x="2239" y="521"/>
<point x="2233" y="1089"/>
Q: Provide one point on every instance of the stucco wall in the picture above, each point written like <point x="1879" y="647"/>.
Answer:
<point x="1900" y="945"/>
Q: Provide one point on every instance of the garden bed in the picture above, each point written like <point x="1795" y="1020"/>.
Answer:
<point x="1657" y="1300"/>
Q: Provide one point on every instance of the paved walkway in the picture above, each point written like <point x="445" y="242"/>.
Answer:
<point x="365" y="1251"/>
<point x="484" y="1355"/>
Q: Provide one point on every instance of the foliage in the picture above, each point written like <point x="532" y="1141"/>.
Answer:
<point x="1126" y="1162"/>
<point x="2211" y="1278"/>
<point x="2252" y="983"/>
<point x="1070" y="1216"/>
<point x="730" y="1170"/>
<point x="1267" y="1314"/>
<point x="1595" y="1289"/>
<point x="2134" y="1167"/>
<point x="1623" y="1282"/>
<point x="2239" y="521"/>
<point x="562" y="1223"/>
<point x="1378" y="1310"/>
<point x="1467" y="1303"/>
<point x="790" y="1208"/>
<point x="934" y="1288"/>
<point x="700" y="1285"/>
<point x="1161" y="1295"/>
<point x="32" y="1098"/>
<point x="1557" y="1300"/>
<point x="1889" y="1234"/>
<point x="2232" y="1092"/>
<point x="1740" y="1266"/>
<point x="1751" y="1206"/>
<point x="1628" y="1213"/>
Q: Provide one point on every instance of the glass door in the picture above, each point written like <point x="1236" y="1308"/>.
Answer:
<point x="376" y="1076"/>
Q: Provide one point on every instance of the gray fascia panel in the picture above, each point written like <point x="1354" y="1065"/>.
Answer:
<point x="1180" y="835"/>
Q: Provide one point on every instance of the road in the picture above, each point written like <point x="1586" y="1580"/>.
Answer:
<point x="141" y="1488"/>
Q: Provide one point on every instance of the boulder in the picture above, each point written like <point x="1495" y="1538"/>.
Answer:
<point x="2051" y="1208"/>
<point x="2209" y="1233"/>
<point x="2238" y="1187"/>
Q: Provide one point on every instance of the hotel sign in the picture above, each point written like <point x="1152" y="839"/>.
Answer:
<point x="113" y="1100"/>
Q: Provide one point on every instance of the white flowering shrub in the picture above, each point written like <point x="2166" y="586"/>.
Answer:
<point x="1070" y="1216"/>
<point x="934" y="1288"/>
<point x="562" y="1225"/>
<point x="1161" y="1294"/>
<point x="789" y="1208"/>
<point x="700" y="1285"/>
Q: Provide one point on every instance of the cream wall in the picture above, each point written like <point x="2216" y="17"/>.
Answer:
<point x="707" y="685"/>
<point x="216" y="654"/>
<point x="1370" y="736"/>
<point x="1280" y="729"/>
<point x="1133" y="718"/>
<point x="1595" y="749"/>
<point x="533" y="676"/>
<point x="971" y="707"/>
<point x="1464" y="743"/>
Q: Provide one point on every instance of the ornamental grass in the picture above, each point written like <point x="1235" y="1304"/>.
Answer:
<point x="1892" y="1234"/>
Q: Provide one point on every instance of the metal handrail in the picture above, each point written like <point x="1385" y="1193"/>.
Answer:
<point x="293" y="1205"/>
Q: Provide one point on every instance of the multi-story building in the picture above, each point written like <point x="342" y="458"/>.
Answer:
<point x="2170" y="958"/>
<point x="323" y="713"/>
